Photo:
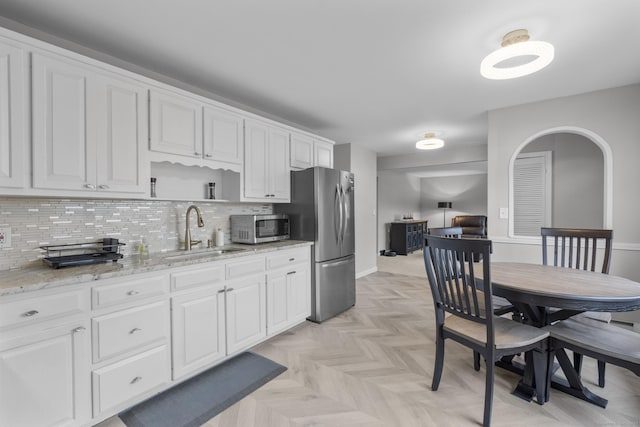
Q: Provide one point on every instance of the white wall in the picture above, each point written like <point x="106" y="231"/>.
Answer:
<point x="613" y="115"/>
<point x="578" y="187"/>
<point x="467" y="193"/>
<point x="398" y="194"/>
<point x="362" y="162"/>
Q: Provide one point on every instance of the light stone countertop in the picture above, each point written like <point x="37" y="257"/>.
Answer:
<point x="29" y="279"/>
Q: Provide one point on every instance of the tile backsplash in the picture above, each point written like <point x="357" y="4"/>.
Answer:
<point x="35" y="222"/>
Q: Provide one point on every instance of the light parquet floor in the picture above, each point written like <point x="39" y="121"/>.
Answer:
<point x="372" y="366"/>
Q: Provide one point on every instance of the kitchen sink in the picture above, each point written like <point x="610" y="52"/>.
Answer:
<point x="203" y="253"/>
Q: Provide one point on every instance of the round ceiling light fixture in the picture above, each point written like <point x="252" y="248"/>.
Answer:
<point x="516" y="46"/>
<point x="429" y="142"/>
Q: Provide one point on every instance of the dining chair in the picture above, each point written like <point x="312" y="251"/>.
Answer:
<point x="500" y="305"/>
<point x="578" y="248"/>
<point x="456" y="282"/>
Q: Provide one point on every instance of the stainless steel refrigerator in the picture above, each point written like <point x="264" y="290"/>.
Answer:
<point x="321" y="210"/>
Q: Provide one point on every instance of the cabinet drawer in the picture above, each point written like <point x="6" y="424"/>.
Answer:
<point x="121" y="381"/>
<point x="129" y="290"/>
<point x="125" y="330"/>
<point x="194" y="278"/>
<point x="245" y="268"/>
<point x="31" y="310"/>
<point x="284" y="258"/>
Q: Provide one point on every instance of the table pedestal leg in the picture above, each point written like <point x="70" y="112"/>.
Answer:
<point x="573" y="385"/>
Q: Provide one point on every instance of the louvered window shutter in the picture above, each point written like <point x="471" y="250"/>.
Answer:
<point x="532" y="193"/>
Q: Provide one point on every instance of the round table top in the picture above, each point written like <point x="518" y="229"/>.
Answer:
<point x="567" y="288"/>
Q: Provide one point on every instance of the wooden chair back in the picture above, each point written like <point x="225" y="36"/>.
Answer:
<point x="451" y="232"/>
<point x="454" y="279"/>
<point x="578" y="248"/>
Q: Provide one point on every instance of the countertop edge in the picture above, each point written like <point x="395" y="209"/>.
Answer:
<point x="29" y="279"/>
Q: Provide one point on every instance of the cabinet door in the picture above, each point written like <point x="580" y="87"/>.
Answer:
<point x="223" y="138"/>
<point x="176" y="124"/>
<point x="255" y="160"/>
<point x="301" y="151"/>
<point x="198" y="330"/>
<point x="323" y="154"/>
<point x="13" y="116"/>
<point x="298" y="293"/>
<point x="245" y="303"/>
<point x="288" y="297"/>
<point x="63" y="156"/>
<point x="120" y="134"/>
<point x="278" y="167"/>
<point x="45" y="378"/>
<point x="277" y="313"/>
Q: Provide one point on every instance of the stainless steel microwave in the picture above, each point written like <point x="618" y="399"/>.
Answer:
<point x="263" y="228"/>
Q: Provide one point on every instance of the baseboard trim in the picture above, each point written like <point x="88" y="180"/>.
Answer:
<point x="366" y="272"/>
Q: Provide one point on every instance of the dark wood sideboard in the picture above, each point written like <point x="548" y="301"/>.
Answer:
<point x="407" y="236"/>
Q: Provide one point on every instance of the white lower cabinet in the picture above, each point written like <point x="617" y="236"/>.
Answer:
<point x="288" y="289"/>
<point x="129" y="378"/>
<point x="44" y="376"/>
<point x="246" y="320"/>
<point x="197" y="330"/>
<point x="76" y="357"/>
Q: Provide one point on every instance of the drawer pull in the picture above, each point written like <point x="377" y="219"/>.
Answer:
<point x="229" y="289"/>
<point x="134" y="330"/>
<point x="291" y="272"/>
<point x="90" y="186"/>
<point x="79" y="329"/>
<point x="131" y="293"/>
<point x="135" y="380"/>
<point x="221" y="291"/>
<point x="103" y="186"/>
<point x="30" y="313"/>
<point x="291" y="259"/>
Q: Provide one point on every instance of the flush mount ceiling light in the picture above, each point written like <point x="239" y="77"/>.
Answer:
<point x="429" y="142"/>
<point x="516" y="47"/>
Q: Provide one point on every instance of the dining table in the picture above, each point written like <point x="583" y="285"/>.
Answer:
<point x="545" y="294"/>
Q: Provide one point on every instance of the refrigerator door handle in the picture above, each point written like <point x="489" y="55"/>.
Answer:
<point x="337" y="225"/>
<point x="345" y="209"/>
<point x="334" y="264"/>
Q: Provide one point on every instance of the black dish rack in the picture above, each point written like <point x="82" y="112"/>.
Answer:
<point x="74" y="254"/>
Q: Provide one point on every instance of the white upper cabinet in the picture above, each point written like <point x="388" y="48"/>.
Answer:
<point x="13" y="115"/>
<point x="121" y="135"/>
<point x="301" y="151"/>
<point x="323" y="154"/>
<point x="266" y="163"/>
<point x="223" y="135"/>
<point x="176" y="124"/>
<point x="88" y="128"/>
<point x="207" y="134"/>
<point x="307" y="152"/>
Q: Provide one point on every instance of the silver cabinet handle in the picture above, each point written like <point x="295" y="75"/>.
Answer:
<point x="221" y="291"/>
<point x="272" y="195"/>
<point x="103" y="186"/>
<point x="134" y="330"/>
<point x="229" y="289"/>
<point x="30" y="313"/>
<point x="197" y="154"/>
<point x="135" y="380"/>
<point x="90" y="186"/>
<point x="291" y="272"/>
<point x="79" y="329"/>
<point x="208" y="155"/>
<point x="291" y="259"/>
<point x="133" y="292"/>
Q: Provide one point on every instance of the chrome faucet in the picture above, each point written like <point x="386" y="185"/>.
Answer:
<point x="188" y="243"/>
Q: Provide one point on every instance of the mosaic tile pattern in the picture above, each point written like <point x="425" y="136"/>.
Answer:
<point x="37" y="222"/>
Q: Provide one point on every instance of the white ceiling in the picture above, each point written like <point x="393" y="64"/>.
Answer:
<point x="371" y="72"/>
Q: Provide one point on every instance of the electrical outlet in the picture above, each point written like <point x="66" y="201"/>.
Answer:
<point x="504" y="213"/>
<point x="5" y="237"/>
